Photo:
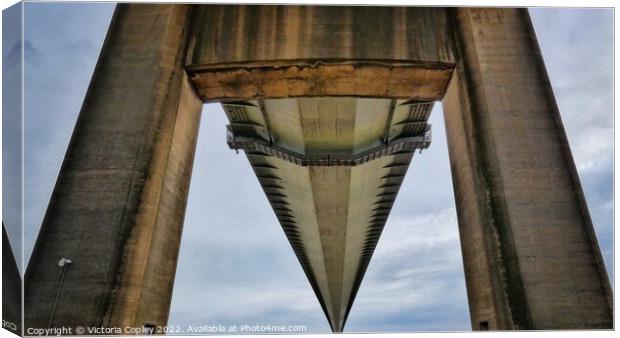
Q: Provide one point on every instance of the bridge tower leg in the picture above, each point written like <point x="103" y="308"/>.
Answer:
<point x="118" y="206"/>
<point x="530" y="255"/>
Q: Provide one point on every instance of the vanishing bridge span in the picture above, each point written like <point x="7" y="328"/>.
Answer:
<point x="329" y="104"/>
<point x="334" y="200"/>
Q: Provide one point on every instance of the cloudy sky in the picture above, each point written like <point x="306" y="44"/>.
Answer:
<point x="236" y="266"/>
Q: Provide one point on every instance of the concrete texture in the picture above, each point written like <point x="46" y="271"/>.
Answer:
<point x="293" y="77"/>
<point x="11" y="288"/>
<point x="530" y="255"/>
<point x="245" y="33"/>
<point x="241" y="52"/>
<point x="118" y="206"/>
<point x="332" y="215"/>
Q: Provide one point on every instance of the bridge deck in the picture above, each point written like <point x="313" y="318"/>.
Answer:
<point x="331" y="208"/>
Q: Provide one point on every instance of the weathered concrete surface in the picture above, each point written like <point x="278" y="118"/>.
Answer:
<point x="404" y="80"/>
<point x="332" y="215"/>
<point x="241" y="33"/>
<point x="247" y="51"/>
<point x="11" y="288"/>
<point x="117" y="209"/>
<point x="531" y="258"/>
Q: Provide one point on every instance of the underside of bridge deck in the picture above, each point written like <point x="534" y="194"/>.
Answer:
<point x="329" y="104"/>
<point x="331" y="169"/>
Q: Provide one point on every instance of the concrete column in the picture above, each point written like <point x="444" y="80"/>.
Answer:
<point x="11" y="288"/>
<point x="118" y="206"/>
<point x="530" y="254"/>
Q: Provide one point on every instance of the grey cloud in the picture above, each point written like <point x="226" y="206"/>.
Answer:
<point x="235" y="264"/>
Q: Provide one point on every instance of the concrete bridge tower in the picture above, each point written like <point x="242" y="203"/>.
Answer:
<point x="329" y="105"/>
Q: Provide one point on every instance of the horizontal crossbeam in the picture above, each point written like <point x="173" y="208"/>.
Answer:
<point x="256" y="145"/>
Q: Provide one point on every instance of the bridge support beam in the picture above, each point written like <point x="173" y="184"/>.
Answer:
<point x="115" y="217"/>
<point x="530" y="255"/>
<point x="118" y="206"/>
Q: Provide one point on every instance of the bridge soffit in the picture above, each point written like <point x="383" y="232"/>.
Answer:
<point x="245" y="52"/>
